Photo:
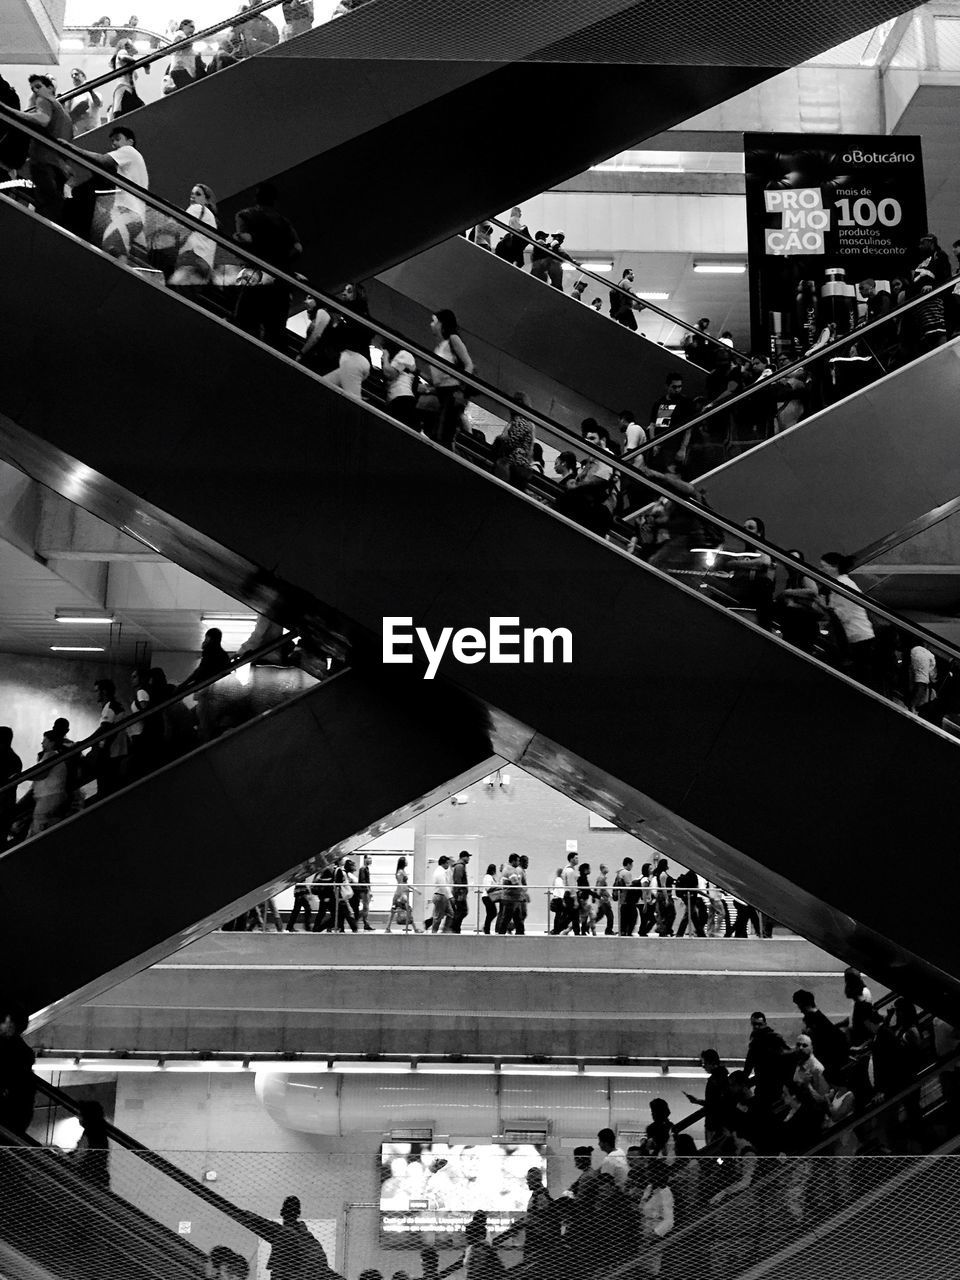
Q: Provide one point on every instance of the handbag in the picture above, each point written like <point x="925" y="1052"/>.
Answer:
<point x="428" y="402"/>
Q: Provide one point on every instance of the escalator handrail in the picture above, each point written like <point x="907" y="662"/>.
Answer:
<point x="168" y="1238"/>
<point x="153" y="1158"/>
<point x="706" y="514"/>
<point x="695" y="1116"/>
<point x="765" y="384"/>
<point x="616" y="288"/>
<point x="157" y="55"/>
<point x="952" y="1060"/>
<point x="123" y="725"/>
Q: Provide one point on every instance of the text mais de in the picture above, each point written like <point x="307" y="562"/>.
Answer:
<point x="503" y="642"/>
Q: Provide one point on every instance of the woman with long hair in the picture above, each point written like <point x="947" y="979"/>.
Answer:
<point x="197" y="252"/>
<point x="513" y="447"/>
<point x="446" y="388"/>
<point x="401" y="909"/>
<point x="491" y="896"/>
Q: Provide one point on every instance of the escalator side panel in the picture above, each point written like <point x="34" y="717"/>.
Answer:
<point x="154" y="867"/>
<point x="479" y="149"/>
<point x="894" y="445"/>
<point x="522" y="334"/>
<point x="668" y="698"/>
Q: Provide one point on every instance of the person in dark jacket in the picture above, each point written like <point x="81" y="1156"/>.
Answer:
<point x="295" y="1251"/>
<point x="92" y="1157"/>
<point x="830" y="1045"/>
<point x="768" y="1060"/>
<point x="716" y="1100"/>
<point x="10" y="766"/>
<point x="17" y="1085"/>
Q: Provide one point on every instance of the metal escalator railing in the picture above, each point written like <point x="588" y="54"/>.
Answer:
<point x="632" y="299"/>
<point x="126" y="750"/>
<point x="60" y="1216"/>
<point x="836" y="366"/>
<point x="788" y="1197"/>
<point x="244" y="15"/>
<point x="704" y="533"/>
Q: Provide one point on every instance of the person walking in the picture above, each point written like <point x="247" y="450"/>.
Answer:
<point x="491" y="896"/>
<point x="571" y="915"/>
<point x="442" y="911"/>
<point x="604" y="901"/>
<point x="512" y="895"/>
<point x="459" y="905"/>
<point x="628" y="916"/>
<point x="585" y="897"/>
<point x="362" y="896"/>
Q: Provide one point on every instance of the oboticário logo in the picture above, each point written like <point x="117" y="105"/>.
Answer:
<point x="878" y="157"/>
<point x="503" y="643"/>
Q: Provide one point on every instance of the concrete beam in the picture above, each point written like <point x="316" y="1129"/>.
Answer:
<point x="247" y="993"/>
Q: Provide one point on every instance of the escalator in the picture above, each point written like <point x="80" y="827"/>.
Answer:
<point x="895" y="434"/>
<point x="676" y="719"/>
<point x="118" y="1209"/>
<point x="163" y="861"/>
<point x="391" y="98"/>
<point x="522" y="333"/>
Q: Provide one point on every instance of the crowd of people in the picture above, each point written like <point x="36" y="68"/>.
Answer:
<point x="245" y="38"/>
<point x="337" y="897"/>
<point x="110" y="760"/>
<point x="625" y="1206"/>
<point x="434" y="399"/>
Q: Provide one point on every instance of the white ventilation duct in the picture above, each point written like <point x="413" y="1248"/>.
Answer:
<point x="467" y="1106"/>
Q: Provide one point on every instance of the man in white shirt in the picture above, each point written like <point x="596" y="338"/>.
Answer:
<point x="128" y="212"/>
<point x="633" y="434"/>
<point x="809" y="1071"/>
<point x="614" y="1160"/>
<point x="923" y="677"/>
<point x="442" y="910"/>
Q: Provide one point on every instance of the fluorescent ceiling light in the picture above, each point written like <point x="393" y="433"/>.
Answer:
<point x="372" y="1068"/>
<point x="455" y="1068"/>
<point x="609" y="167"/>
<point x="539" y="1069"/>
<point x="654" y="295"/>
<point x="604" y="266"/>
<point x="624" y="1069"/>
<point x="236" y="627"/>
<point x="84" y="617"/>
<point x="289" y="1068"/>
<point x="720" y="268"/>
<point x="77" y="648"/>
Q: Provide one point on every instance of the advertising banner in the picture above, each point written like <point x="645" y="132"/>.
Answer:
<point x="826" y="212"/>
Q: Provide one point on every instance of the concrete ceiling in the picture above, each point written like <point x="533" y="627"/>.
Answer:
<point x="54" y="556"/>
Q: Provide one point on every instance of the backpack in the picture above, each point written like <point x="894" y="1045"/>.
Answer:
<point x="313" y="1256"/>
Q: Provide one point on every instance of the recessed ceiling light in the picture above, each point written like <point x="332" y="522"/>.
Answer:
<point x="602" y="266"/>
<point x="84" y="617"/>
<point x="720" y="268"/>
